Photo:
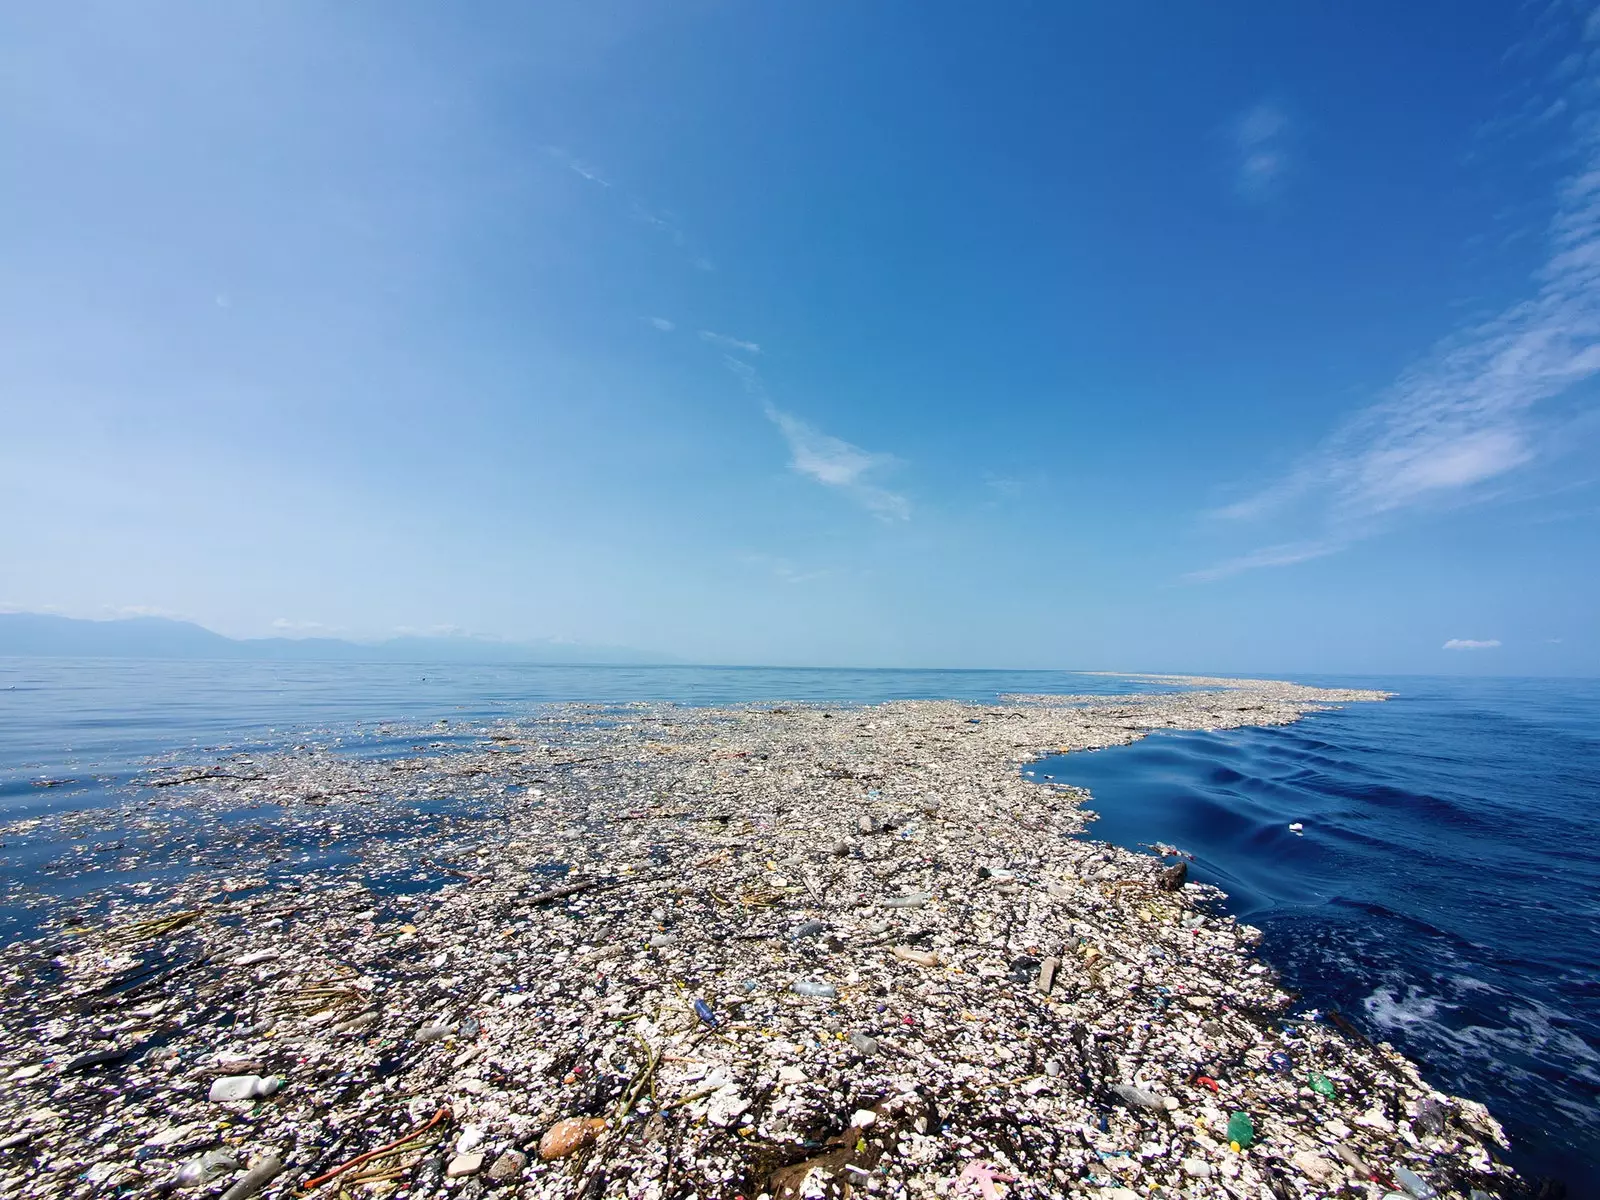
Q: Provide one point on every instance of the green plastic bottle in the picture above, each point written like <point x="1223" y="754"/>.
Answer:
<point x="1241" y="1130"/>
<point x="1322" y="1085"/>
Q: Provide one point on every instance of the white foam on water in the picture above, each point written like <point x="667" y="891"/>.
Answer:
<point x="1407" y="1014"/>
<point x="1466" y="983"/>
<point x="1533" y="1033"/>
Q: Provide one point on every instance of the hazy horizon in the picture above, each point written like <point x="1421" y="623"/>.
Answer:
<point x="457" y="647"/>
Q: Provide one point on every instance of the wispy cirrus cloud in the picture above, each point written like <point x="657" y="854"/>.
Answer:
<point x="577" y="166"/>
<point x="588" y="173"/>
<point x="729" y="343"/>
<point x="1261" y="146"/>
<point x="1282" y="555"/>
<point x="1461" y="417"/>
<point x="658" y="221"/>
<point x="828" y="460"/>
<point x="663" y="222"/>
<point x="1454" y="427"/>
<point x="839" y="464"/>
<point x="1471" y="644"/>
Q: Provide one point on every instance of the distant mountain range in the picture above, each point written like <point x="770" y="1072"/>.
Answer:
<point x="43" y="635"/>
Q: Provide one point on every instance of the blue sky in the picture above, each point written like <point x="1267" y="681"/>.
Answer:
<point x="1241" y="337"/>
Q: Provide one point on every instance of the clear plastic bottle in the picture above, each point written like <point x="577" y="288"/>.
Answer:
<point x="1137" y="1096"/>
<point x="1414" y="1184"/>
<point x="814" y="988"/>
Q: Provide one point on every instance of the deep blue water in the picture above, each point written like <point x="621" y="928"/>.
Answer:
<point x="1444" y="893"/>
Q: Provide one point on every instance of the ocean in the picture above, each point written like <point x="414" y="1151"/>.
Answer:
<point x="1443" y="891"/>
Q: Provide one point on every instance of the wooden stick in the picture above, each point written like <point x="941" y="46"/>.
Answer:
<point x="570" y="889"/>
<point x="703" y="1092"/>
<point x="442" y="1114"/>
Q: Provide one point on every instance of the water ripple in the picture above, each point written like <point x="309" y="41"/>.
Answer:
<point x="1444" y="890"/>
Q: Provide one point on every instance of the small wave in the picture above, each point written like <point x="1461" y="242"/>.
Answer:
<point x="1467" y="983"/>
<point x="1442" y="893"/>
<point x="1402" y="923"/>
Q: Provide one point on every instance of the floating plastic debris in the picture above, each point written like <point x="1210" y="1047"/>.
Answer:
<point x="631" y="939"/>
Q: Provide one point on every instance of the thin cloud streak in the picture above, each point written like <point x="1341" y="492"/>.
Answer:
<point x="1462" y="417"/>
<point x="657" y="221"/>
<point x="1286" y="554"/>
<point x="588" y="173"/>
<point x="1260" y="140"/>
<point x="729" y="343"/>
<point x="1471" y="644"/>
<point x="836" y="463"/>
<point x="663" y="223"/>
<point x="830" y="461"/>
<point x="576" y="167"/>
<point x="661" y="323"/>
